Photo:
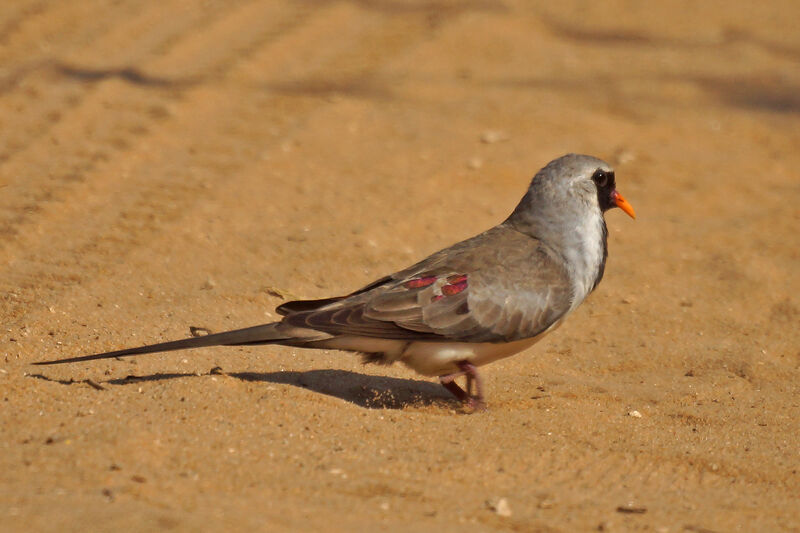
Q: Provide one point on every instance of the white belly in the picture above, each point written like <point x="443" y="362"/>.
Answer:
<point x="434" y="358"/>
<point x="439" y="358"/>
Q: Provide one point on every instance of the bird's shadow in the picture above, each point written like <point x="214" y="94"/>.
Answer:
<point x="372" y="392"/>
<point x="364" y="390"/>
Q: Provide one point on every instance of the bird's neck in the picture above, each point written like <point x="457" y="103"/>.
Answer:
<point x="585" y="249"/>
<point x="581" y="241"/>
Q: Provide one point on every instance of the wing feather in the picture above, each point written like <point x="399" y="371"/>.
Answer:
<point x="500" y="286"/>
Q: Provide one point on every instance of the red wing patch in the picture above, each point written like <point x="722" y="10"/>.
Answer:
<point x="457" y="278"/>
<point x="442" y="287"/>
<point x="455" y="284"/>
<point x="454" y="288"/>
<point x="420" y="282"/>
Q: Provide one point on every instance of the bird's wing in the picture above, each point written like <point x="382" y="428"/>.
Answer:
<point x="296" y="306"/>
<point x="500" y="286"/>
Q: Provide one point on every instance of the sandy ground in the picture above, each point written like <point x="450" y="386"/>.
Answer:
<point x="170" y="164"/>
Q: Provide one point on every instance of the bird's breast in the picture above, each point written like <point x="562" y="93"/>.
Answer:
<point x="585" y="253"/>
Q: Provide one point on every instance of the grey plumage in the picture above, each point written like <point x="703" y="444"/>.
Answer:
<point x="489" y="309"/>
<point x="469" y="304"/>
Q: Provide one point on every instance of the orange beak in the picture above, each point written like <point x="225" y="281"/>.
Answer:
<point x="623" y="204"/>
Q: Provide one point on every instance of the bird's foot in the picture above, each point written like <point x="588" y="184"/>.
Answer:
<point x="473" y="402"/>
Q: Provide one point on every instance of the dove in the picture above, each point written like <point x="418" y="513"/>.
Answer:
<point x="477" y="301"/>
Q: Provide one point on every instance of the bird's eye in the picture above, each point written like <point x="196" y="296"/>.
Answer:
<point x="600" y="177"/>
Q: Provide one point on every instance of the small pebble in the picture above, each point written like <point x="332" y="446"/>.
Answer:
<point x="475" y="163"/>
<point x="338" y="472"/>
<point x="631" y="509"/>
<point x="635" y="414"/>
<point x="546" y="504"/>
<point x="95" y="385"/>
<point x="500" y="507"/>
<point x="278" y="292"/>
<point x="623" y="157"/>
<point x="493" y="136"/>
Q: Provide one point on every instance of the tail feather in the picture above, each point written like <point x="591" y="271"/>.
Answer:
<point x="263" y="334"/>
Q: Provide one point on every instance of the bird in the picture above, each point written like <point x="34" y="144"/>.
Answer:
<point x="477" y="301"/>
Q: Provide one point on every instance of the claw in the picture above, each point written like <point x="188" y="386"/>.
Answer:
<point x="474" y="402"/>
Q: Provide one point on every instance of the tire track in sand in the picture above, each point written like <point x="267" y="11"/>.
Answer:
<point x="86" y="159"/>
<point x="124" y="198"/>
<point x="89" y="118"/>
<point x="43" y="88"/>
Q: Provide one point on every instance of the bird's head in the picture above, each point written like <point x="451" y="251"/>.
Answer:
<point x="571" y="186"/>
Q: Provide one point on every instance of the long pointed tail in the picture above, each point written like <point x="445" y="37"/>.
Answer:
<point x="263" y="334"/>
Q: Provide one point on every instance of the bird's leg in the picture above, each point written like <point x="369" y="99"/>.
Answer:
<point x="453" y="387"/>
<point x="471" y="372"/>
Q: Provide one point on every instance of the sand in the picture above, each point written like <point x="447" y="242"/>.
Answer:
<point x="175" y="164"/>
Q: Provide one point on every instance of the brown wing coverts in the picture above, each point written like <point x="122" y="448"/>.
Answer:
<point x="465" y="293"/>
